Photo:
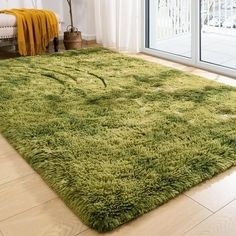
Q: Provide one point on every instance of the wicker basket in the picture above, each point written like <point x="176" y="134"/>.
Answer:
<point x="72" y="40"/>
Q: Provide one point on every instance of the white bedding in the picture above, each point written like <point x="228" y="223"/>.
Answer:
<point x="8" y="28"/>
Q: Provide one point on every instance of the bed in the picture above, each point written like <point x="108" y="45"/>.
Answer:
<point x="8" y="31"/>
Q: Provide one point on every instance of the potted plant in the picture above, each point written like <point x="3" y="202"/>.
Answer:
<point x="72" y="36"/>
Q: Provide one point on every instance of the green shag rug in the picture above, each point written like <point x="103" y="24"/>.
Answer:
<point x="114" y="153"/>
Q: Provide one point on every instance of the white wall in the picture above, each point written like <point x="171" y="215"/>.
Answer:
<point x="83" y="12"/>
<point x="54" y="5"/>
<point x="15" y="4"/>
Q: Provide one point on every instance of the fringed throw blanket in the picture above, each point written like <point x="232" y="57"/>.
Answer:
<point x="35" y="29"/>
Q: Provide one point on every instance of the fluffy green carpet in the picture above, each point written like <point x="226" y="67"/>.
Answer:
<point x="113" y="153"/>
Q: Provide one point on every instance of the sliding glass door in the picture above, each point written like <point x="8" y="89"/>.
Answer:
<point x="201" y="33"/>
<point x="170" y="26"/>
<point x="218" y="32"/>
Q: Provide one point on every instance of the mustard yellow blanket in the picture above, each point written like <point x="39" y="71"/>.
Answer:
<point x="35" y="29"/>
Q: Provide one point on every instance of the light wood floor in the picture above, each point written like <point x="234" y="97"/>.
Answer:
<point x="29" y="208"/>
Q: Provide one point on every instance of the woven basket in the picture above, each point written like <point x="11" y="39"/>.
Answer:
<point x="72" y="40"/>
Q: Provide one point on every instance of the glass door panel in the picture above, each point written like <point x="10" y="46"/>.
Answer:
<point x="170" y="26"/>
<point x="218" y="32"/>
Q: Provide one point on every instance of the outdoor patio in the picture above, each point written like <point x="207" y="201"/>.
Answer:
<point x="216" y="48"/>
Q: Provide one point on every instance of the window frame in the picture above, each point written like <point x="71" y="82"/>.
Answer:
<point x="195" y="59"/>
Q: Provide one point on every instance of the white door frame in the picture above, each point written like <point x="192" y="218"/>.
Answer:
<point x="195" y="44"/>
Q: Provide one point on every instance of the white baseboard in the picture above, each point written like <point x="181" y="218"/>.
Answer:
<point x="88" y="37"/>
